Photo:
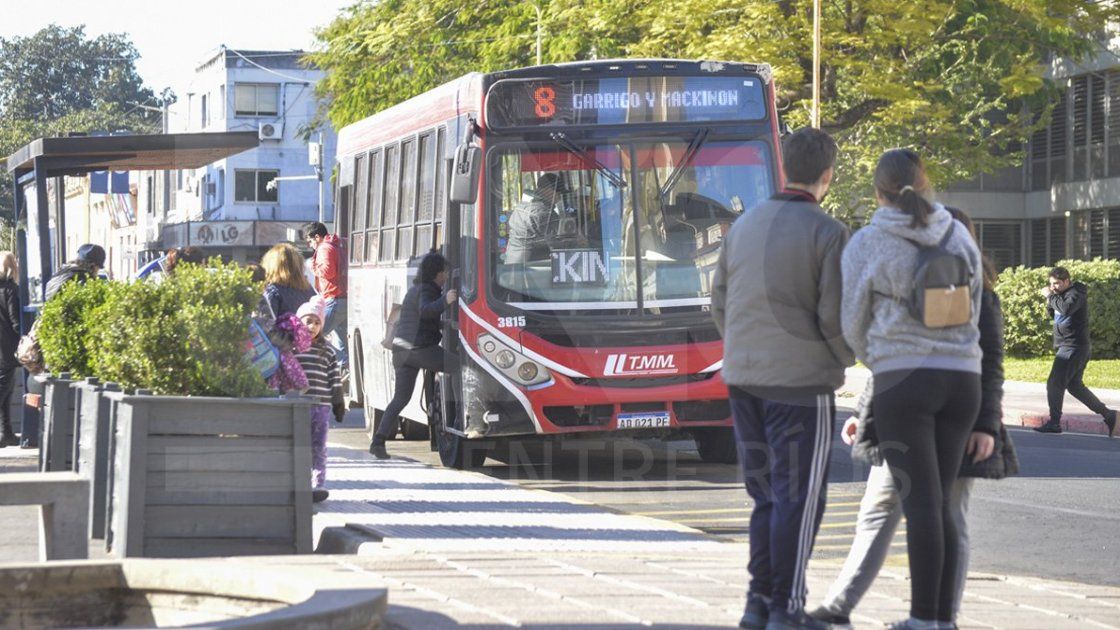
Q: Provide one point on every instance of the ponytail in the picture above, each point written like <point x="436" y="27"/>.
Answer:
<point x="900" y="179"/>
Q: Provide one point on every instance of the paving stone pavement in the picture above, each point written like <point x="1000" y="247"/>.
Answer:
<point x="461" y="549"/>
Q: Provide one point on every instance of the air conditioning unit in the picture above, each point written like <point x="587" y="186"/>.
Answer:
<point x="270" y="131"/>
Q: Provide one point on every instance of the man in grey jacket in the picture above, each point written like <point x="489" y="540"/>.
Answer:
<point x="776" y="301"/>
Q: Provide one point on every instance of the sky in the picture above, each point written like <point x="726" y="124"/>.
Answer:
<point x="173" y="38"/>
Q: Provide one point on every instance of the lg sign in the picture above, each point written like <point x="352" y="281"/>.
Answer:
<point x="628" y="364"/>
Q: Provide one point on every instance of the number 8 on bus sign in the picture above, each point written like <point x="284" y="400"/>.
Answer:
<point x="545" y="98"/>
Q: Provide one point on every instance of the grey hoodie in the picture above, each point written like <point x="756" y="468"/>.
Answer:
<point x="881" y="331"/>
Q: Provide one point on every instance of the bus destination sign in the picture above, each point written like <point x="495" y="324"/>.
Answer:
<point x="537" y="103"/>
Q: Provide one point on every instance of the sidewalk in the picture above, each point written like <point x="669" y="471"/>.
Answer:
<point x="1024" y="404"/>
<point x="464" y="548"/>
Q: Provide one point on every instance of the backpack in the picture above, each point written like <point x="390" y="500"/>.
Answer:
<point x="941" y="296"/>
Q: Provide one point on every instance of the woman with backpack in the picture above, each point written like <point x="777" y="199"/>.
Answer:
<point x="910" y="312"/>
<point x="990" y="454"/>
<point x="286" y="288"/>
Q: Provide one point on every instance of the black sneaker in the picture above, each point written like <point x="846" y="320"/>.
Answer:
<point x="782" y="620"/>
<point x="318" y="495"/>
<point x="1050" y="427"/>
<point x="1110" y="422"/>
<point x="377" y="449"/>
<point x="834" y="620"/>
<point x="756" y="613"/>
<point x="10" y="439"/>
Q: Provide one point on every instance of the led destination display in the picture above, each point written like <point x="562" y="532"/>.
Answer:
<point x="620" y="101"/>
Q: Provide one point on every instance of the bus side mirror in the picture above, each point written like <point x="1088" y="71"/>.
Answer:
<point x="464" y="173"/>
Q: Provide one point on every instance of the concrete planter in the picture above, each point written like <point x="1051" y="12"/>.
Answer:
<point x="198" y="476"/>
<point x="56" y="423"/>
<point x="92" y="452"/>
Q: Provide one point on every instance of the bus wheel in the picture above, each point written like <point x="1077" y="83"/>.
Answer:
<point x="460" y="453"/>
<point x="716" y="444"/>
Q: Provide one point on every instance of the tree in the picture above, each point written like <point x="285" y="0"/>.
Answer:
<point x="58" y="81"/>
<point x="960" y="81"/>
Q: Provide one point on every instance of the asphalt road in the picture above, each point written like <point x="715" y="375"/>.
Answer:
<point x="1058" y="519"/>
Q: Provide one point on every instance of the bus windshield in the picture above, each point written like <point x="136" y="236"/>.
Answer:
<point x="617" y="226"/>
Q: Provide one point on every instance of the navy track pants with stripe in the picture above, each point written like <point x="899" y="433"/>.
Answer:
<point x="783" y="449"/>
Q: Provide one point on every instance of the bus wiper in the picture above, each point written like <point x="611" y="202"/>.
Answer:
<point x="588" y="158"/>
<point x="689" y="154"/>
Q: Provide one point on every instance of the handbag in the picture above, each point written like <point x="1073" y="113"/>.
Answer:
<point x="260" y="351"/>
<point x="391" y="327"/>
<point x="29" y="353"/>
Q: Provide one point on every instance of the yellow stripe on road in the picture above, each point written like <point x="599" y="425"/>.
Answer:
<point x="842" y="547"/>
<point x="744" y="509"/>
<point x="676" y="512"/>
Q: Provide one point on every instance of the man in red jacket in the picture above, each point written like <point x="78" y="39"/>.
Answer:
<point x="329" y="267"/>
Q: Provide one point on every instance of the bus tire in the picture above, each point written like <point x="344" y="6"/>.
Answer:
<point x="455" y="451"/>
<point x="716" y="445"/>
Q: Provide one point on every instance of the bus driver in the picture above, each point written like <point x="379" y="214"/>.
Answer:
<point x="531" y="222"/>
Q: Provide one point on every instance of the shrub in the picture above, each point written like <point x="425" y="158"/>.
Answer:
<point x="183" y="336"/>
<point x="63" y="329"/>
<point x="1027" y="329"/>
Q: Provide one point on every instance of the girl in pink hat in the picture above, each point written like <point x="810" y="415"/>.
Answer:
<point x="324" y="379"/>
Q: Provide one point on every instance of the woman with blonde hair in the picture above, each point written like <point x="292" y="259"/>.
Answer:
<point x="9" y="339"/>
<point x="286" y="288"/>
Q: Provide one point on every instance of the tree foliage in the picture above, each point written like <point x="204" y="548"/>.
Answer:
<point x="59" y="81"/>
<point x="961" y="81"/>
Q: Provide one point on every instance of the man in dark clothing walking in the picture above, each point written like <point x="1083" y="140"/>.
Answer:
<point x="1067" y="303"/>
<point x="776" y="302"/>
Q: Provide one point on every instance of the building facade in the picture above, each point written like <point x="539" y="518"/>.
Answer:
<point x="1064" y="201"/>
<point x="240" y="206"/>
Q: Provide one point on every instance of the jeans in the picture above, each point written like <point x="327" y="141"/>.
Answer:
<point x="1066" y="375"/>
<point x="7" y="384"/>
<point x="320" y="423"/>
<point x="880" y="511"/>
<point x="407" y="364"/>
<point x="336" y="320"/>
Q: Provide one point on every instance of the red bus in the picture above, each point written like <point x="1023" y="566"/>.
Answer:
<point x="600" y="321"/>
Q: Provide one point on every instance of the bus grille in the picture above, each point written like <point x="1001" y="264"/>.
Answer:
<point x="594" y="415"/>
<point x="629" y="382"/>
<point x="701" y="410"/>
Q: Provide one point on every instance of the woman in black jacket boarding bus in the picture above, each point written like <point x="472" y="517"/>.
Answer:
<point x="416" y="343"/>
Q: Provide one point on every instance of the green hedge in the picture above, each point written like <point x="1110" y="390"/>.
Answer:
<point x="63" y="329"/>
<point x="184" y="336"/>
<point x="1028" y="332"/>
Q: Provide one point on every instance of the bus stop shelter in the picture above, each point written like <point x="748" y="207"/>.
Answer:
<point x="41" y="244"/>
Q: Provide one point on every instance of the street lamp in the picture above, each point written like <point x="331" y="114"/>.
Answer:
<point x="815" y="115"/>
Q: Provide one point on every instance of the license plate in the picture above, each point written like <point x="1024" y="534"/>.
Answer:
<point x="644" y="420"/>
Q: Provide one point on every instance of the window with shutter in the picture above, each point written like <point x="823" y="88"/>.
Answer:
<point x="1059" y="139"/>
<point x="1057" y="239"/>
<point x="1039" y="251"/>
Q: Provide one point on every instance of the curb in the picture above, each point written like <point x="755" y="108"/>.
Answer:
<point x="347" y="540"/>
<point x="1074" y="423"/>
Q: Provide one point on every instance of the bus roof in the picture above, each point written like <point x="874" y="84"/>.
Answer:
<point x="464" y="95"/>
<point x="454" y="98"/>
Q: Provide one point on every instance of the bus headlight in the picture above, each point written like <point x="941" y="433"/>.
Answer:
<point x="527" y="371"/>
<point x="521" y="369"/>
<point x="504" y="359"/>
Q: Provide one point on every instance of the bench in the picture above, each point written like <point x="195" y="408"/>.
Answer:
<point x="63" y="500"/>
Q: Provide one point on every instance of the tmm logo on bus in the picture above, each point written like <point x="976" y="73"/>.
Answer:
<point x="640" y="364"/>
